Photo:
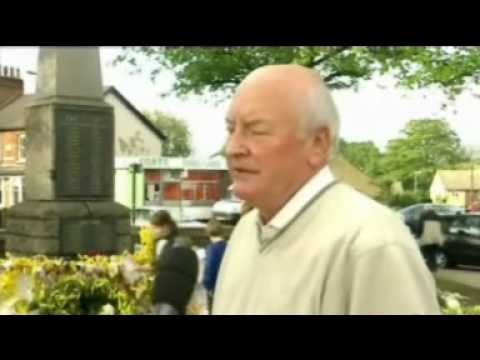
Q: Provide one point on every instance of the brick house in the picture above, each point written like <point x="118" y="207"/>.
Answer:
<point x="134" y="134"/>
<point x="12" y="142"/>
<point x="194" y="184"/>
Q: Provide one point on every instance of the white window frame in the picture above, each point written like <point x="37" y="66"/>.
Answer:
<point x="2" y="192"/>
<point x="21" y="139"/>
<point x="16" y="182"/>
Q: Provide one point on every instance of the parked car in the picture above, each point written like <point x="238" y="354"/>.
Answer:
<point x="462" y="245"/>
<point x="413" y="215"/>
<point x="228" y="209"/>
<point x="433" y="252"/>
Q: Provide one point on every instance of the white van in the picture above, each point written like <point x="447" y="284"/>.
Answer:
<point x="228" y="209"/>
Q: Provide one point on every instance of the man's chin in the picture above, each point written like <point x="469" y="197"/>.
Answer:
<point x="242" y="193"/>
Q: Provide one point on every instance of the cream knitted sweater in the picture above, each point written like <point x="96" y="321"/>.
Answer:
<point x="343" y="254"/>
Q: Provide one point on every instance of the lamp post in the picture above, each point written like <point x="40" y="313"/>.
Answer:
<point x="473" y="197"/>
<point x="183" y="176"/>
<point x="134" y="169"/>
<point x="415" y="173"/>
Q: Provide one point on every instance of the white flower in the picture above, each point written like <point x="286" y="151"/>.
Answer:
<point x="8" y="307"/>
<point x="130" y="271"/>
<point x="107" y="309"/>
<point x="25" y="287"/>
<point x="112" y="270"/>
<point x="452" y="302"/>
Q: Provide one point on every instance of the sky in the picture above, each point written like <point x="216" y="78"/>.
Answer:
<point x="376" y="112"/>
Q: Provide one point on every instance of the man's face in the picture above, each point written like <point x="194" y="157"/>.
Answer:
<point x="267" y="158"/>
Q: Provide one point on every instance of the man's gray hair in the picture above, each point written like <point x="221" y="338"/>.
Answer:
<point x="321" y="111"/>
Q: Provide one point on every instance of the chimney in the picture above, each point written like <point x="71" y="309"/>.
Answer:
<point x="11" y="85"/>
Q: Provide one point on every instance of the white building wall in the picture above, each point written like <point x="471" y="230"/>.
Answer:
<point x="437" y="189"/>
<point x="132" y="137"/>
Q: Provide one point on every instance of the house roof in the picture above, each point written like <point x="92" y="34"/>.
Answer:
<point x="129" y="105"/>
<point x="348" y="173"/>
<point x="11" y="88"/>
<point x="12" y="116"/>
<point x="460" y="179"/>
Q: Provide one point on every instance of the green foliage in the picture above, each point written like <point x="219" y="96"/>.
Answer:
<point x="82" y="295"/>
<point x="405" y="199"/>
<point x="179" y="138"/>
<point x="200" y="70"/>
<point x="467" y="310"/>
<point x="453" y="303"/>
<point x="363" y="155"/>
<point x="440" y="199"/>
<point x="87" y="285"/>
<point x="426" y="146"/>
<point x="98" y="285"/>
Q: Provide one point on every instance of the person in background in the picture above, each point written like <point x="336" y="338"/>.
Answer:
<point x="215" y="251"/>
<point x="161" y="233"/>
<point x="431" y="238"/>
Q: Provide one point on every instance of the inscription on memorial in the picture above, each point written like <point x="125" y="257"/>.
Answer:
<point x="84" y="154"/>
<point x="84" y="236"/>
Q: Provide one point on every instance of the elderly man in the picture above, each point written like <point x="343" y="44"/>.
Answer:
<point x="311" y="245"/>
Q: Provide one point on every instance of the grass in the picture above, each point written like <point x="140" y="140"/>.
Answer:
<point x="472" y="294"/>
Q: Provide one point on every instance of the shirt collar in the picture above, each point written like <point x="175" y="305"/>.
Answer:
<point x="319" y="181"/>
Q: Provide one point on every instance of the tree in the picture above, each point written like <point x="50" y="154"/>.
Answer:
<point x="178" y="141"/>
<point x="217" y="70"/>
<point x="427" y="145"/>
<point x="364" y="155"/>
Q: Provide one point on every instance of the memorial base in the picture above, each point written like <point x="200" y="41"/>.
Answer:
<point x="64" y="228"/>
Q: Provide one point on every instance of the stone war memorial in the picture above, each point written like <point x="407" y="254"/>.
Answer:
<point x="68" y="208"/>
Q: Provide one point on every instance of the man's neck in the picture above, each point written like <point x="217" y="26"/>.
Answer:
<point x="267" y="213"/>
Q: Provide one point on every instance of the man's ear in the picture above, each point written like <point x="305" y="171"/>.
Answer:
<point x="320" y="148"/>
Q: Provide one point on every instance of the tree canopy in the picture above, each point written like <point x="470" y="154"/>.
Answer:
<point x="179" y="138"/>
<point x="364" y="155"/>
<point x="218" y="70"/>
<point x="427" y="145"/>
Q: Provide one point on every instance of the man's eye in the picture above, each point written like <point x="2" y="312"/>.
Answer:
<point x="259" y="132"/>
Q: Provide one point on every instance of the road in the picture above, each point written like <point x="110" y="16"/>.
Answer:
<point x="465" y="275"/>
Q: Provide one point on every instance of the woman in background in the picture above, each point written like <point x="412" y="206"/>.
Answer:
<point x="161" y="234"/>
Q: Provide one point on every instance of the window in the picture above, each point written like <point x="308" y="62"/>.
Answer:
<point x="22" y="186"/>
<point x="17" y="191"/>
<point x="8" y="153"/>
<point x="188" y="191"/>
<point x="16" y="194"/>
<point x="153" y="193"/>
<point x="171" y="191"/>
<point x="2" y="142"/>
<point x="21" y="147"/>
<point x="4" y="188"/>
<point x="472" y="226"/>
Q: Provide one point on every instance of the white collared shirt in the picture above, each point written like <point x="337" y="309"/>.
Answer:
<point x="291" y="209"/>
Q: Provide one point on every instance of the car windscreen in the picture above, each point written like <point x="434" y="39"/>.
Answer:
<point x="446" y="210"/>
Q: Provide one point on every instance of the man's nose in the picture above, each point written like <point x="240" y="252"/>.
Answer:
<point x="236" y="145"/>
